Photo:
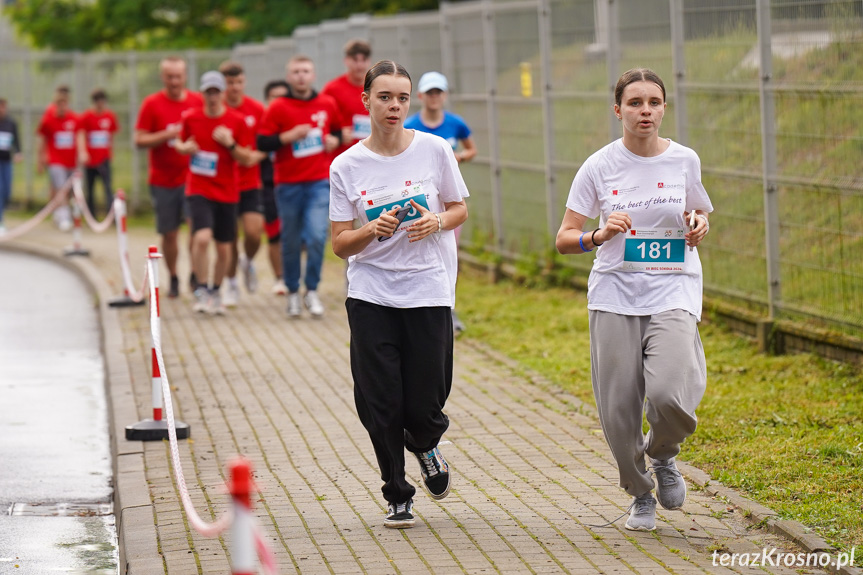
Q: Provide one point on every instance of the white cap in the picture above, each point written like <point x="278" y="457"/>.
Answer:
<point x="212" y="79"/>
<point x="432" y="80"/>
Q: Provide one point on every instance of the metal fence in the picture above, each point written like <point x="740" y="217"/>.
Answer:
<point x="766" y="91"/>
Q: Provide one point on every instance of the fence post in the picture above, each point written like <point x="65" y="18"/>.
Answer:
<point x="768" y="155"/>
<point x="490" y="50"/>
<point x="132" y="63"/>
<point x="678" y="62"/>
<point x="612" y="62"/>
<point x="27" y="128"/>
<point x="544" y="20"/>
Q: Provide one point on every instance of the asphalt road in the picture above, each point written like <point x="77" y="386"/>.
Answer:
<point x="55" y="460"/>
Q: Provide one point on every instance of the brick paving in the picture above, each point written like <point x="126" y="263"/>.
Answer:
<point x="532" y="475"/>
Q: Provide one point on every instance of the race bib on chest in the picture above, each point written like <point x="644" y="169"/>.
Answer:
<point x="99" y="139"/>
<point x="654" y="250"/>
<point x="5" y="141"/>
<point x="204" y="164"/>
<point x="64" y="140"/>
<point x="380" y="200"/>
<point x="362" y="126"/>
<point x="311" y="145"/>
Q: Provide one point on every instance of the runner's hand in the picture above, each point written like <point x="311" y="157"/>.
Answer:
<point x="298" y="132"/>
<point x="188" y="147"/>
<point x="330" y="142"/>
<point x="223" y="136"/>
<point x="385" y="224"/>
<point x="423" y="227"/>
<point x="697" y="234"/>
<point x="617" y="223"/>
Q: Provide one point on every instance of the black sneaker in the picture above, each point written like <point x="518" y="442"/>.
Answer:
<point x="435" y="472"/>
<point x="193" y="282"/>
<point x="400" y="515"/>
<point x="175" y="287"/>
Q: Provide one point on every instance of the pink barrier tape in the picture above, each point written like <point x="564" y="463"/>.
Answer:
<point x="96" y="226"/>
<point x="30" y="224"/>
<point x="119" y="210"/>
<point x="198" y="524"/>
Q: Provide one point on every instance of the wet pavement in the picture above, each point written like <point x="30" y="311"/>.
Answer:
<point x="55" y="476"/>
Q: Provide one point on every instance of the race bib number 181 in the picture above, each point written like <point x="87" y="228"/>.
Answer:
<point x="654" y="250"/>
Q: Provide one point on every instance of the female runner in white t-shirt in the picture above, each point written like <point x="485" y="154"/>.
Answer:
<point x="401" y="284"/>
<point x="644" y="291"/>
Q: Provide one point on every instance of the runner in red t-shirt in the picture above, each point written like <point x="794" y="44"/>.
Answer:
<point x="274" y="90"/>
<point x="219" y="142"/>
<point x="347" y="91"/>
<point x="303" y="129"/>
<point x="57" y="149"/>
<point x="251" y="207"/>
<point x="157" y="128"/>
<point x="96" y="128"/>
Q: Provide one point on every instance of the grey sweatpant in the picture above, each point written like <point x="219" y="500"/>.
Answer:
<point x="655" y="359"/>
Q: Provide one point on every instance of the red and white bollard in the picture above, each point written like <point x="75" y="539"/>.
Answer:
<point x="76" y="249"/>
<point x="127" y="298"/>
<point x="156" y="428"/>
<point x="241" y="487"/>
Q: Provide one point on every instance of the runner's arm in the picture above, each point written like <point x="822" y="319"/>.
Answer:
<point x="468" y="152"/>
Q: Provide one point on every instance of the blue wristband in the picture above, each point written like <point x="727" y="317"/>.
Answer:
<point x="581" y="243"/>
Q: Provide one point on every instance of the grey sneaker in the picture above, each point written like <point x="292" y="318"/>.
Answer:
<point x="435" y="472"/>
<point x="250" y="274"/>
<point x="400" y="515"/>
<point x="202" y="299"/>
<point x="294" y="309"/>
<point x="670" y="486"/>
<point x="643" y="515"/>
<point x="313" y="303"/>
<point x="216" y="306"/>
<point x="232" y="293"/>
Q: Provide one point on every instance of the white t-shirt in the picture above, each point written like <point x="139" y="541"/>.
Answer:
<point x="654" y="192"/>
<point x="395" y="272"/>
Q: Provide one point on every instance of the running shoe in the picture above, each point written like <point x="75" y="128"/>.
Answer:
<point x="670" y="486"/>
<point x="400" y="515"/>
<point x="294" y="308"/>
<point x="313" y="303"/>
<point x="643" y="515"/>
<point x="202" y="299"/>
<point x="216" y="306"/>
<point x="232" y="293"/>
<point x="279" y="288"/>
<point x="174" y="291"/>
<point x="435" y="472"/>
<point x="250" y="274"/>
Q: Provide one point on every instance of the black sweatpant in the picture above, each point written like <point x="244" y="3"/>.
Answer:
<point x="401" y="361"/>
<point x="102" y="172"/>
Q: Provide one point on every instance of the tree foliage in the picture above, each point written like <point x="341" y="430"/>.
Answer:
<point x="149" y="24"/>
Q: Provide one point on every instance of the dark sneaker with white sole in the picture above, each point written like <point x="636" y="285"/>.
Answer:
<point x="670" y="486"/>
<point x="643" y="514"/>
<point x="435" y="472"/>
<point x="400" y="515"/>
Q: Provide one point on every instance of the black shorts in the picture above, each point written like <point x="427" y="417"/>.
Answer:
<point x="271" y="212"/>
<point x="217" y="216"/>
<point x="251" y="201"/>
<point x="170" y="207"/>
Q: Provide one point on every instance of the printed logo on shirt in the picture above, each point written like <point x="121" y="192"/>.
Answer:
<point x="320" y="118"/>
<point x="250" y="121"/>
<point x="407" y="183"/>
<point x="619" y="192"/>
<point x="104" y="123"/>
<point x="69" y="125"/>
<point x="660" y="185"/>
<point x="613" y="192"/>
<point x="665" y="186"/>
<point x="363" y="193"/>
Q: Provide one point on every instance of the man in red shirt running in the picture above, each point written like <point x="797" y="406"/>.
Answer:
<point x="251" y="206"/>
<point x="57" y="149"/>
<point x="158" y="126"/>
<point x="218" y="141"/>
<point x="96" y="128"/>
<point x="347" y="91"/>
<point x="303" y="129"/>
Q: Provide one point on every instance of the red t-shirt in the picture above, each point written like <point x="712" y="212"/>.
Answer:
<point x="158" y="111"/>
<point x="213" y="172"/>
<point x="349" y="99"/>
<point x="99" y="132"/>
<point x="252" y="111"/>
<point x="304" y="160"/>
<point x="59" y="134"/>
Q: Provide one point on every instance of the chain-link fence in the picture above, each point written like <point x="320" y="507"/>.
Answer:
<point x="780" y="142"/>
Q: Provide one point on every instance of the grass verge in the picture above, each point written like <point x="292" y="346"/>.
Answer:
<point x="786" y="431"/>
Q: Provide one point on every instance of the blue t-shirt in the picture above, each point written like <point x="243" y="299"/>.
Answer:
<point x="452" y="129"/>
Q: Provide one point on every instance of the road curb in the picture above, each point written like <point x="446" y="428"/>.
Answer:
<point x="133" y="508"/>
<point x="794" y="531"/>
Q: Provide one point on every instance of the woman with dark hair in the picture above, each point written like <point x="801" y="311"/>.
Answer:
<point x="644" y="291"/>
<point x="406" y="190"/>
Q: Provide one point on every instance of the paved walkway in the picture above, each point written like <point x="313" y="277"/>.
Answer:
<point x="532" y="473"/>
